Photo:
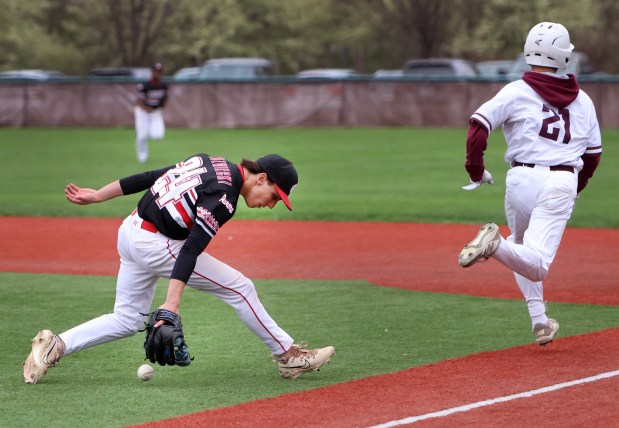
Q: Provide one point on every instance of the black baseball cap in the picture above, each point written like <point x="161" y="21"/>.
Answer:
<point x="281" y="172"/>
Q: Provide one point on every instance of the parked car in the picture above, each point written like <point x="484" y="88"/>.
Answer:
<point x="236" y="68"/>
<point x="578" y="65"/>
<point x="38" y="75"/>
<point x="440" y="67"/>
<point x="133" y="73"/>
<point x="328" y="73"/>
<point x="187" y="73"/>
<point x="494" y="68"/>
<point x="388" y="74"/>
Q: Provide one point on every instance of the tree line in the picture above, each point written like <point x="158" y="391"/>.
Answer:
<point x="74" y="36"/>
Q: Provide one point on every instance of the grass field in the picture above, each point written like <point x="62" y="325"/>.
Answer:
<point x="381" y="330"/>
<point x="402" y="175"/>
<point x="410" y="175"/>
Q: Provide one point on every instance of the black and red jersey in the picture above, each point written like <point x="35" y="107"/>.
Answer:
<point x="190" y="200"/>
<point x="153" y="94"/>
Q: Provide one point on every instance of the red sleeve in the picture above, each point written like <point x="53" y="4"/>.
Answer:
<point x="591" y="162"/>
<point x="476" y="143"/>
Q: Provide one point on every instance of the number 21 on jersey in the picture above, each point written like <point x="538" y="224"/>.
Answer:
<point x="551" y="131"/>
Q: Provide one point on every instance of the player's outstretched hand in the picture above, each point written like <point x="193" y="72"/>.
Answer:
<point x="166" y="307"/>
<point x="166" y="344"/>
<point x="486" y="178"/>
<point x="80" y="196"/>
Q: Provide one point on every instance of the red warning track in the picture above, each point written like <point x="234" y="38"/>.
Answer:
<point x="412" y="256"/>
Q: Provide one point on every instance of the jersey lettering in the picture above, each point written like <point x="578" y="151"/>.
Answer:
<point x="175" y="183"/>
<point x="552" y="133"/>
<point x="221" y="170"/>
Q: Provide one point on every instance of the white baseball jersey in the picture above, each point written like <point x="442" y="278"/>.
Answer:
<point x="539" y="133"/>
<point x="548" y="124"/>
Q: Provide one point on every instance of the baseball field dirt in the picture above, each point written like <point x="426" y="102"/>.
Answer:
<point x="412" y="256"/>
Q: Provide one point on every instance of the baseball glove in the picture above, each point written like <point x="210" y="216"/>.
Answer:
<point x="166" y="343"/>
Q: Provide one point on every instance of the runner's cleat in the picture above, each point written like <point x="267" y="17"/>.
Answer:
<point x="544" y="333"/>
<point x="483" y="246"/>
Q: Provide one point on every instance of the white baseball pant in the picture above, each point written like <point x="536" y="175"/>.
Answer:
<point x="147" y="126"/>
<point x="538" y="205"/>
<point x="144" y="258"/>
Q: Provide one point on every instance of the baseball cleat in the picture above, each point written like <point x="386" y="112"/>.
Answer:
<point x="47" y="350"/>
<point x="298" y="360"/>
<point x="483" y="246"/>
<point x="544" y="333"/>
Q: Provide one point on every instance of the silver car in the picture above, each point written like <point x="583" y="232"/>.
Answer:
<point x="440" y="67"/>
<point x="236" y="68"/>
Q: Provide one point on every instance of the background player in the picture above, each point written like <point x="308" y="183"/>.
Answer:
<point x="176" y="218"/>
<point x="149" y="124"/>
<point x="553" y="146"/>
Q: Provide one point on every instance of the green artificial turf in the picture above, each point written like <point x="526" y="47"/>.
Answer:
<point x="375" y="330"/>
<point x="402" y="174"/>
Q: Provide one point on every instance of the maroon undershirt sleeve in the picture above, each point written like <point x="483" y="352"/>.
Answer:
<point x="590" y="163"/>
<point x="476" y="143"/>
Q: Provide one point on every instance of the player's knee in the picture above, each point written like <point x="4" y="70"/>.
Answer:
<point x="128" y="326"/>
<point x="248" y="283"/>
<point x="245" y="290"/>
<point x="539" y="275"/>
<point x="244" y="285"/>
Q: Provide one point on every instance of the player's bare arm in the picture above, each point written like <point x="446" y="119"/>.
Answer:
<point x="85" y="196"/>
<point x="175" y="293"/>
<point x="173" y="298"/>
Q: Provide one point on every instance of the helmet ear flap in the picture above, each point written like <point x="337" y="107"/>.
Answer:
<point x="548" y="45"/>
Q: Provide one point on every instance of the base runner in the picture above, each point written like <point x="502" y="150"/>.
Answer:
<point x="553" y="148"/>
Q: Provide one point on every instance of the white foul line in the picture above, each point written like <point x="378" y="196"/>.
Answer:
<point x="471" y="406"/>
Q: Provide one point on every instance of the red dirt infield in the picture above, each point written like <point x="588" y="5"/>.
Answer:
<point x="411" y="256"/>
<point x="404" y="255"/>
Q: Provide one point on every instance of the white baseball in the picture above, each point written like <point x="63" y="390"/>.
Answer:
<point x="145" y="372"/>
